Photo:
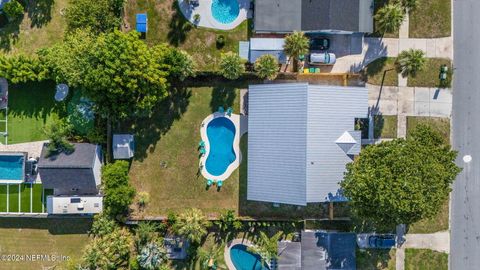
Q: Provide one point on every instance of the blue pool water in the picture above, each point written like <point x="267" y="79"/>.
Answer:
<point x="11" y="167"/>
<point x="220" y="133"/>
<point x="225" y="11"/>
<point x="244" y="260"/>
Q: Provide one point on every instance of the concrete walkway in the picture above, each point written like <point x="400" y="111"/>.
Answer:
<point x="439" y="241"/>
<point x="204" y="9"/>
<point x="374" y="48"/>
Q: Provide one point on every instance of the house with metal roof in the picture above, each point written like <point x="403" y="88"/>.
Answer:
<point x="79" y="205"/>
<point x="123" y="146"/>
<point x="74" y="174"/>
<point x="318" y="251"/>
<point x="300" y="137"/>
<point x="335" y="16"/>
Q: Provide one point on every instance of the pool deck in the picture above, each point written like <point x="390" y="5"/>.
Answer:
<point x="33" y="149"/>
<point x="240" y="128"/>
<point x="226" y="255"/>
<point x="206" y="17"/>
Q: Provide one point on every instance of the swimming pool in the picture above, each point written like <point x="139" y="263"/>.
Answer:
<point x="225" y="11"/>
<point x="221" y="134"/>
<point x="12" y="167"/>
<point x="244" y="260"/>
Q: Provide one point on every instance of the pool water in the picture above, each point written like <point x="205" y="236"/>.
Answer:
<point x="11" y="167"/>
<point x="244" y="260"/>
<point x="220" y="133"/>
<point x="225" y="11"/>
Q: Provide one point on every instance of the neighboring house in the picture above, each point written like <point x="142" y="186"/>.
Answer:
<point x="334" y="16"/>
<point x="75" y="204"/>
<point x="261" y="46"/>
<point x="318" y="251"/>
<point x="75" y="174"/>
<point x="123" y="146"/>
<point x="300" y="137"/>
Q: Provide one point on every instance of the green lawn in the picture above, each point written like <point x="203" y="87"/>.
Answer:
<point x="375" y="259"/>
<point x="25" y="198"/>
<point x="436" y="224"/>
<point x="425" y="259"/>
<point x="43" y="236"/>
<point x="385" y="126"/>
<point x="13" y="191"/>
<point x="381" y="71"/>
<point x="31" y="106"/>
<point x="429" y="76"/>
<point x="42" y="26"/>
<point x="431" y="19"/>
<point x="167" y="24"/>
<point x="37" y="197"/>
<point x="3" y="198"/>
<point x="441" y="125"/>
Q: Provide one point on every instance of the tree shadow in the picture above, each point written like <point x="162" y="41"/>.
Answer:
<point x="40" y="12"/>
<point x="178" y="27"/>
<point x="54" y="225"/>
<point x="9" y="32"/>
<point x="148" y="130"/>
<point x="222" y="96"/>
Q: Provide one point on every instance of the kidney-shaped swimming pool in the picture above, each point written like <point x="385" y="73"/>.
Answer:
<point x="242" y="259"/>
<point x="221" y="135"/>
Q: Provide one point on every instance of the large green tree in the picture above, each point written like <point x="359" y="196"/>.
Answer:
<point x="192" y="224"/>
<point x="296" y="44"/>
<point x="389" y="18"/>
<point x="97" y="15"/>
<point x="116" y="186"/>
<point x="410" y="62"/>
<point x="401" y="181"/>
<point x="22" y="68"/>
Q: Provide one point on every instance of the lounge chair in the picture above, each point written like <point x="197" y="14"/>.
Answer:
<point x="317" y="70"/>
<point x="221" y="109"/>
<point x="229" y="111"/>
<point x="219" y="183"/>
<point x="209" y="182"/>
<point x="203" y="151"/>
<point x="201" y="144"/>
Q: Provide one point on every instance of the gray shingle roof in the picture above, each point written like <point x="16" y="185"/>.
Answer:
<point x="313" y="15"/>
<point x="293" y="156"/>
<point x="82" y="157"/>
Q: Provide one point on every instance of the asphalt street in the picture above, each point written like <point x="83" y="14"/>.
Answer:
<point x="465" y="205"/>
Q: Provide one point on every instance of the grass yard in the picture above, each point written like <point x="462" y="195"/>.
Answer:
<point x="31" y="106"/>
<point x="442" y="125"/>
<point x="381" y="72"/>
<point x="375" y="259"/>
<point x="167" y="24"/>
<point x="25" y="198"/>
<point x="13" y="193"/>
<point x="378" y="4"/>
<point x="3" y="198"/>
<point x="431" y="225"/>
<point x="385" y="126"/>
<point x="42" y="26"/>
<point x="428" y="77"/>
<point x="431" y="19"/>
<point x="43" y="236"/>
<point x="425" y="259"/>
<point x="30" y="198"/>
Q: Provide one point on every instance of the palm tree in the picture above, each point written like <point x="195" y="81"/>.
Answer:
<point x="409" y="4"/>
<point x="209" y="257"/>
<point x="192" y="224"/>
<point x="389" y="18"/>
<point x="231" y="65"/>
<point x="296" y="44"/>
<point x="266" y="67"/>
<point x="152" y="256"/>
<point x="266" y="247"/>
<point x="410" y="62"/>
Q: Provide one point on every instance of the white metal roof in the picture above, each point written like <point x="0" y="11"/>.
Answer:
<point x="267" y="44"/>
<point x="74" y="204"/>
<point x="293" y="154"/>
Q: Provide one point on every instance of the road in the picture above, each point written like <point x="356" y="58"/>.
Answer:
<point x="465" y="205"/>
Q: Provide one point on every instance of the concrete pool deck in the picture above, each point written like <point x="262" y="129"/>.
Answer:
<point x="237" y="121"/>
<point x="206" y="18"/>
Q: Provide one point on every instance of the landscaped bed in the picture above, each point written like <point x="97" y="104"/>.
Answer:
<point x="375" y="259"/>
<point x="425" y="259"/>
<point x="167" y="24"/>
<point x="431" y="19"/>
<point x="381" y="72"/>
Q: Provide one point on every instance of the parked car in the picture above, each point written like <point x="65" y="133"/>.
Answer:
<point x="319" y="44"/>
<point x="376" y="240"/>
<point x="322" y="58"/>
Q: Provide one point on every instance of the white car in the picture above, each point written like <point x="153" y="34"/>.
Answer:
<point x="322" y="58"/>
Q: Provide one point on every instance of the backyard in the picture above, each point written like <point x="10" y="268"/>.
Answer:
<point x="40" y="236"/>
<point x="25" y="198"/>
<point x="167" y="24"/>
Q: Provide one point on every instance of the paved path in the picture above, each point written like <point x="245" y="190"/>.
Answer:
<point x="465" y="211"/>
<point x="410" y="101"/>
<point x="400" y="259"/>
<point x="374" y="48"/>
<point x="439" y="241"/>
<point x="206" y="19"/>
<point x="32" y="148"/>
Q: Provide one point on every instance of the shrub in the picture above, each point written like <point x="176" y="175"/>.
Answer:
<point x="58" y="132"/>
<point x="21" y="68"/>
<point x="143" y="198"/>
<point x="118" y="192"/>
<point x="266" y="67"/>
<point x="13" y="10"/>
<point x="410" y="62"/>
<point x="231" y="66"/>
<point x="220" y="41"/>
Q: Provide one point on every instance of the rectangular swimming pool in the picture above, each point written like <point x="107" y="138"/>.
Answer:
<point x="12" y="167"/>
